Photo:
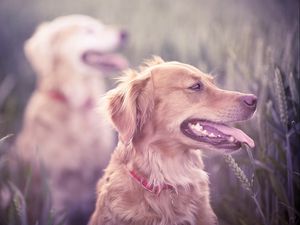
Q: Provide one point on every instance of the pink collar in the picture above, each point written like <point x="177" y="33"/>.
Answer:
<point x="155" y="189"/>
<point x="60" y="97"/>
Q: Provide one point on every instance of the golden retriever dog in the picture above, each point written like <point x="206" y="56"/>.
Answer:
<point x="163" y="113"/>
<point x="61" y="127"/>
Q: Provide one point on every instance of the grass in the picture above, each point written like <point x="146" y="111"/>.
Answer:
<point x="250" y="46"/>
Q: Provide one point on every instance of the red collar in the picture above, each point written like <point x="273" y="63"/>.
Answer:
<point x="60" y="97"/>
<point x="155" y="189"/>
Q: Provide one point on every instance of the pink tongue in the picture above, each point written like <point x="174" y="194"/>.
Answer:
<point x="236" y="133"/>
<point x="112" y="60"/>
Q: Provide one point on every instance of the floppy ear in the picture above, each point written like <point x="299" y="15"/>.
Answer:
<point x="37" y="49"/>
<point x="129" y="106"/>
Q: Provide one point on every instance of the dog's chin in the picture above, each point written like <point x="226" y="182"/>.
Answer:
<point x="215" y="136"/>
<point x="103" y="61"/>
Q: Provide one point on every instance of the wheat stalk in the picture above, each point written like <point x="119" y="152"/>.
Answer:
<point x="281" y="98"/>
<point x="283" y="112"/>
<point x="19" y="204"/>
<point x="238" y="172"/>
<point x="246" y="184"/>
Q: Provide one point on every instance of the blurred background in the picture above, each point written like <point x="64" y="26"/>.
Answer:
<point x="249" y="46"/>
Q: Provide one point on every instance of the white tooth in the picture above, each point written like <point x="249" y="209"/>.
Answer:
<point x="205" y="132"/>
<point x="231" y="139"/>
<point x="198" y="127"/>
<point x="211" y="135"/>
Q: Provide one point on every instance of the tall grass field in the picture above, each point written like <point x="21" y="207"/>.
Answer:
<point x="249" y="46"/>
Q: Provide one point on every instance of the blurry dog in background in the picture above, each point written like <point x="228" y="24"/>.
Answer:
<point x="61" y="127"/>
<point x="163" y="113"/>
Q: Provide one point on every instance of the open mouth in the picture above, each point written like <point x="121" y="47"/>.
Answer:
<point x="104" y="61"/>
<point x="218" y="135"/>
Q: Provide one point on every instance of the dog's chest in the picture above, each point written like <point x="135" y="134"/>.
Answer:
<point x="168" y="208"/>
<point x="69" y="137"/>
<point x="178" y="208"/>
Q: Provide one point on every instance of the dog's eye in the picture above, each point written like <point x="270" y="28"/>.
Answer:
<point x="196" y="87"/>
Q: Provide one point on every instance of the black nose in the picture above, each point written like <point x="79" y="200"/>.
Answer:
<point x="250" y="101"/>
<point x="123" y="35"/>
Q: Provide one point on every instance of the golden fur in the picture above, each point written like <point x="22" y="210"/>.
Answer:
<point x="146" y="109"/>
<point x="61" y="126"/>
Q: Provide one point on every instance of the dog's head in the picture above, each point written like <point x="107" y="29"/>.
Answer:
<point x="75" y="43"/>
<point x="177" y="103"/>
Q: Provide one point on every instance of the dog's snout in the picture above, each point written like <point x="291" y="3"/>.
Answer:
<point x="249" y="101"/>
<point x="123" y="35"/>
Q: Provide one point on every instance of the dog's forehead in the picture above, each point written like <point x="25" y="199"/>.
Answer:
<point x="176" y="70"/>
<point x="72" y="23"/>
<point x="79" y="20"/>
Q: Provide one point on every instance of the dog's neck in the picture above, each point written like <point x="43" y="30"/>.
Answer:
<point x="78" y="92"/>
<point x="166" y="163"/>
